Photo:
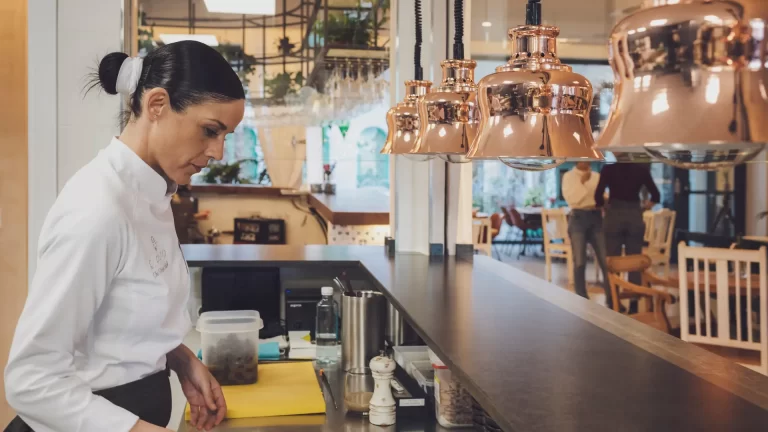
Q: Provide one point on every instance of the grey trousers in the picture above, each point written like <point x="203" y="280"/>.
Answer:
<point x="624" y="226"/>
<point x="586" y="227"/>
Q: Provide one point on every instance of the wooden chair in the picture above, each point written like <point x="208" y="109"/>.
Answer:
<point x="557" y="243"/>
<point x="647" y="217"/>
<point x="514" y="218"/>
<point x="730" y="303"/>
<point x="496" y="221"/>
<point x="623" y="289"/>
<point x="659" y="231"/>
<point x="481" y="235"/>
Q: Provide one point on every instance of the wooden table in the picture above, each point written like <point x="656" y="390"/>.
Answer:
<point x="674" y="282"/>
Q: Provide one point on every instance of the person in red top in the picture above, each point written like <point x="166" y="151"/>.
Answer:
<point x="623" y="222"/>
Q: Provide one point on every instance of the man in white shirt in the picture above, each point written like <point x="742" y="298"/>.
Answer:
<point x="585" y="225"/>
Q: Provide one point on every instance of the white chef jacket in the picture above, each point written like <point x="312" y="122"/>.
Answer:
<point x="108" y="300"/>
<point x="580" y="195"/>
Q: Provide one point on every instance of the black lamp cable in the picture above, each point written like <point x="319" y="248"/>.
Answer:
<point x="458" y="36"/>
<point x="533" y="12"/>
<point x="418" y="72"/>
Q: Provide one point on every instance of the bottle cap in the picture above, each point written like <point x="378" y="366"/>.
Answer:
<point x="326" y="291"/>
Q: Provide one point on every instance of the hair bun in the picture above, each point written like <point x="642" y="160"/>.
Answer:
<point x="109" y="68"/>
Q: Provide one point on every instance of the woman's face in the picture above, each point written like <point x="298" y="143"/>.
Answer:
<point x="182" y="143"/>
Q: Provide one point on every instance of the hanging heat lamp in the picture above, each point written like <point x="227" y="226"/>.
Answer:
<point x="449" y="115"/>
<point x="534" y="110"/>
<point x="403" y="118"/>
<point x="690" y="87"/>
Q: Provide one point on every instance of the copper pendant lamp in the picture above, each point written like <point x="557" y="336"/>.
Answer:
<point x="534" y="110"/>
<point x="403" y="118"/>
<point x="690" y="87"/>
<point x="449" y="115"/>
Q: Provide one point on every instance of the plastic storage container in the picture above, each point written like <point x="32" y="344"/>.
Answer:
<point x="426" y="379"/>
<point x="453" y="403"/>
<point x="406" y="356"/>
<point x="230" y="345"/>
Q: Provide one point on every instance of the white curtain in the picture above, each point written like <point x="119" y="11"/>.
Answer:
<point x="284" y="150"/>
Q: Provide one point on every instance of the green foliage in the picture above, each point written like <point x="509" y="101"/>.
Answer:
<point x="283" y="84"/>
<point x="347" y="29"/>
<point x="223" y="173"/>
<point x="534" y="197"/>
<point x="146" y="37"/>
<point x="243" y="64"/>
<point x="354" y="27"/>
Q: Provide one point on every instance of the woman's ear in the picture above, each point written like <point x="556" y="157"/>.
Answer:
<point x="156" y="103"/>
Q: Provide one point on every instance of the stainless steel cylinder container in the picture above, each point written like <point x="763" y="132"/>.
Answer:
<point x="363" y="322"/>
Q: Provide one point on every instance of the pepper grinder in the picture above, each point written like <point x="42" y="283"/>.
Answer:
<point x="382" y="406"/>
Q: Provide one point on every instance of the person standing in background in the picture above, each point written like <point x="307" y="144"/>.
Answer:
<point x="624" y="224"/>
<point x="585" y="225"/>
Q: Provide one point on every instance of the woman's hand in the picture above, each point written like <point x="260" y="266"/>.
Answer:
<point x="206" y="400"/>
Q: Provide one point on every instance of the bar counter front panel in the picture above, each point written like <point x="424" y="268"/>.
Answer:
<point x="536" y="357"/>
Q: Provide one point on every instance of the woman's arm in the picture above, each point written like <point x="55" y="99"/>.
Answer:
<point x="180" y="358"/>
<point x="79" y="254"/>
<point x="142" y="426"/>
<point x="206" y="400"/>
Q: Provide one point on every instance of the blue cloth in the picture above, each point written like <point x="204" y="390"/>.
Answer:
<point x="267" y="351"/>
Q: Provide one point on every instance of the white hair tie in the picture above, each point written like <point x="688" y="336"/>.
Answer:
<point x="128" y="77"/>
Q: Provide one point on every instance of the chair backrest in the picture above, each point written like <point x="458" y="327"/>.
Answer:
<point x="725" y="276"/>
<point x="477" y="232"/>
<point x="648" y="221"/>
<point x="660" y="228"/>
<point x="481" y="231"/>
<point x="517" y="219"/>
<point x="507" y="216"/>
<point x="496" y="220"/>
<point x="555" y="225"/>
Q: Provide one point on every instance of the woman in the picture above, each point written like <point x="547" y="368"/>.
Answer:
<point x="623" y="224"/>
<point x="106" y="312"/>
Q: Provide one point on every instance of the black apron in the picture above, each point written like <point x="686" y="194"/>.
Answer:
<point x="149" y="398"/>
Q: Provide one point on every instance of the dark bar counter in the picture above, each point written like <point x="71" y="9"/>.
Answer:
<point x="537" y="357"/>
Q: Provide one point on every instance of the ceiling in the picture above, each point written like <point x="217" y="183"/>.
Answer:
<point x="580" y="21"/>
<point x="176" y="12"/>
<point x="180" y="8"/>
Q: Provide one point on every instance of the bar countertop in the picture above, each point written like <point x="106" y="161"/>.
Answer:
<point x="537" y="357"/>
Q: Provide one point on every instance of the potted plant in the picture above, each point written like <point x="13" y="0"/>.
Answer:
<point x="224" y="173"/>
<point x="283" y="84"/>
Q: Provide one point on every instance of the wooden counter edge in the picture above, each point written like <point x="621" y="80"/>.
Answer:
<point x="243" y="189"/>
<point x="348" y="218"/>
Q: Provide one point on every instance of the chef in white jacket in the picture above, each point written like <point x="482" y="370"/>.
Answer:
<point x="106" y="311"/>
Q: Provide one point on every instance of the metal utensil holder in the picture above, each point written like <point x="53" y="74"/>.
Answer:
<point x="362" y="328"/>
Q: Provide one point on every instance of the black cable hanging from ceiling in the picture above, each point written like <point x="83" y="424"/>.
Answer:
<point x="418" y="72"/>
<point x="533" y="12"/>
<point x="458" y="34"/>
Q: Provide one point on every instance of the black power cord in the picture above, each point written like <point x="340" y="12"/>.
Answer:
<point x="458" y="36"/>
<point x="418" y="72"/>
<point x="533" y="12"/>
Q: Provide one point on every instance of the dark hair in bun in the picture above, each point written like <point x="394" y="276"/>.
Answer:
<point x="191" y="72"/>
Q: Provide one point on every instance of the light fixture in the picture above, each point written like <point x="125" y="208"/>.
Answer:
<point x="486" y="24"/>
<point x="242" y="7"/>
<point x="699" y="106"/>
<point x="403" y="118"/>
<point x="534" y="110"/>
<point x="449" y="115"/>
<point x="207" y="39"/>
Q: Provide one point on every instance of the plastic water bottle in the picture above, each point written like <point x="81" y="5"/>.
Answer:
<point x="326" y="328"/>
